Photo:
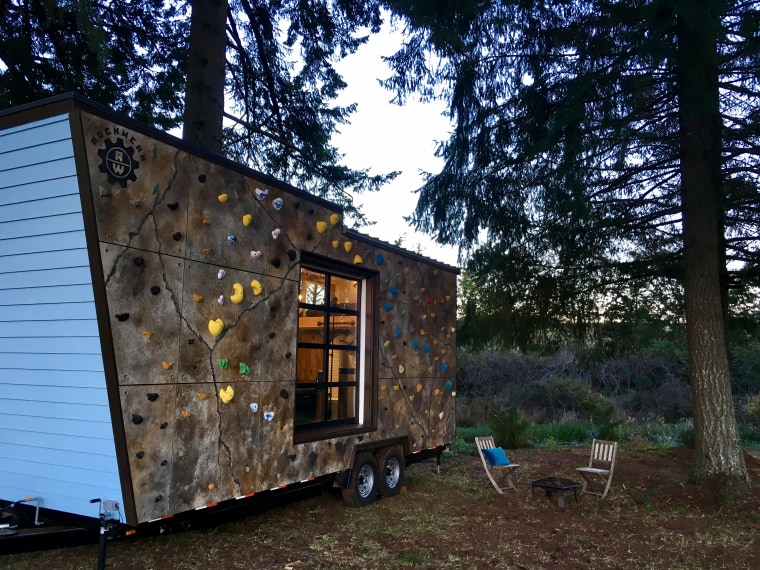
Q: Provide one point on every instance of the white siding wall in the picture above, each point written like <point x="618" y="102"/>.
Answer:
<point x="56" y="440"/>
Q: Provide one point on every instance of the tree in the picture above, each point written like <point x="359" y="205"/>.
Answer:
<point x="604" y="141"/>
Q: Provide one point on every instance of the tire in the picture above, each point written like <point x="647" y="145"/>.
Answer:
<point x="362" y="488"/>
<point x="392" y="465"/>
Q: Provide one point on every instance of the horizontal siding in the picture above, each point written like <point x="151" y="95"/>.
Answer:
<point x="56" y="438"/>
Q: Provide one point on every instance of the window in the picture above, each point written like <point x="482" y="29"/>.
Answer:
<point x="334" y="358"/>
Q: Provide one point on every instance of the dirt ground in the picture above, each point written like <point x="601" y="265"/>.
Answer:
<point x="651" y="519"/>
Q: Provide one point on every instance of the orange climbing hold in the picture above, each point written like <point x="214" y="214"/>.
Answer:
<point x="166" y="365"/>
<point x="147" y="334"/>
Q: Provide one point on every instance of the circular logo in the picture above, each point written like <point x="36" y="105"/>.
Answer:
<point x="118" y="162"/>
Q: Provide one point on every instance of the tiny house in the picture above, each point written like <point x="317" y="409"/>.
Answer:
<point x="178" y="331"/>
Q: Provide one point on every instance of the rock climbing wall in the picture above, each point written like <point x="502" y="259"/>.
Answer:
<point x="201" y="268"/>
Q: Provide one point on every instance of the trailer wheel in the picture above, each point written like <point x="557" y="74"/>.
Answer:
<point x="362" y="488"/>
<point x="391" y="463"/>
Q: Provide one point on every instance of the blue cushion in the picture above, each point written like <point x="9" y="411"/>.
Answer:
<point x="496" y="456"/>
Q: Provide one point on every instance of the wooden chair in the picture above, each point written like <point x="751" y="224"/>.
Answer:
<point x="601" y="465"/>
<point x="499" y="471"/>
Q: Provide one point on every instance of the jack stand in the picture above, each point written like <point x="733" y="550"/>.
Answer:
<point x="107" y="523"/>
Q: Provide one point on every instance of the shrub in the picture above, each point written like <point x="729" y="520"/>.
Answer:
<point x="510" y="429"/>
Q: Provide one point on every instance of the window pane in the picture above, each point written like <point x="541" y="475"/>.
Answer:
<point x="310" y="405"/>
<point x="309" y="365"/>
<point x="344" y="292"/>
<point x="342" y="403"/>
<point x="343" y="330"/>
<point x="311" y="326"/>
<point x="312" y="287"/>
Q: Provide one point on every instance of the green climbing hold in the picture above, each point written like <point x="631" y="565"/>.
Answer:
<point x="244" y="369"/>
<point x="223" y="362"/>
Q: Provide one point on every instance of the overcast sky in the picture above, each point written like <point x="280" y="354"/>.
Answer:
<point x="384" y="137"/>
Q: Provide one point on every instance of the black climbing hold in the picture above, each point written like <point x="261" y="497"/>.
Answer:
<point x="176" y="236"/>
<point x="404" y="343"/>
<point x="202" y="178"/>
<point x="159" y="498"/>
<point x="273" y="308"/>
<point x="292" y="456"/>
<point x="360" y="438"/>
<point x="308" y="237"/>
<point x="288" y="354"/>
<point x="163" y="425"/>
<point x="155" y="289"/>
<point x="137" y="419"/>
<point x="291" y="255"/>
<point x="164" y="463"/>
<point x="121" y="317"/>
<point x="313" y="456"/>
<point x="339" y="446"/>
<point x="272" y="335"/>
<point x="173" y="206"/>
<point x="275" y="262"/>
<point x="140" y="454"/>
<point x="297" y="205"/>
<point x="152" y="396"/>
<point x="284" y="394"/>
<point x="190" y="341"/>
<point x="138" y="261"/>
<point x="311" y="211"/>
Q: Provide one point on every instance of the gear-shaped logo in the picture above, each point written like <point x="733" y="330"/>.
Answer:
<point x="118" y="162"/>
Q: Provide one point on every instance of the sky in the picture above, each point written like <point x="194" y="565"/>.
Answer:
<point x="384" y="137"/>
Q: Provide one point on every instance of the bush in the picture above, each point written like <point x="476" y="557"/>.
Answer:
<point x="510" y="429"/>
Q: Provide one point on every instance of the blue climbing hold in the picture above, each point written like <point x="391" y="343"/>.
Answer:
<point x="388" y="306"/>
<point x="394" y="292"/>
<point x="415" y="345"/>
<point x="448" y="385"/>
<point x="397" y="334"/>
<point x="426" y="348"/>
<point x="379" y="259"/>
<point x="232" y="239"/>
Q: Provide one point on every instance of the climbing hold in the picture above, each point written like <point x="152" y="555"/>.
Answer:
<point x="394" y="356"/>
<point x="216" y="326"/>
<point x="222" y="198"/>
<point x="255" y="254"/>
<point x="202" y="178"/>
<point x="422" y="332"/>
<point x="211" y="486"/>
<point x="291" y="255"/>
<point x="435" y="272"/>
<point x="269" y="416"/>
<point x="226" y="394"/>
<point x="163" y="425"/>
<point x="164" y="463"/>
<point x="197" y="298"/>
<point x="140" y="454"/>
<point x="277" y="203"/>
<point x="201" y="396"/>
<point x="448" y="385"/>
<point x="272" y="335"/>
<point x="137" y="419"/>
<point x="358" y="260"/>
<point x="104" y="192"/>
<point x="288" y="354"/>
<point x="138" y="261"/>
<point x="256" y="286"/>
<point x="379" y="259"/>
<point x="223" y="362"/>
<point x="121" y="317"/>
<point x="396" y="388"/>
<point x="309" y="236"/>
<point x="147" y="334"/>
<point x="334" y="219"/>
<point x="321" y="227"/>
<point x="220" y="274"/>
<point x="155" y="290"/>
<point x="415" y="346"/>
<point x="448" y="298"/>
<point x="440" y="416"/>
<point x="232" y="239"/>
<point x="166" y="365"/>
<point x="436" y="392"/>
<point x="426" y="348"/>
<point x="400" y="369"/>
<point x="220" y="299"/>
<point x="276" y="233"/>
<point x="347" y="245"/>
<point x="419" y="387"/>
<point x="387" y="343"/>
<point x="172" y="206"/>
<point x="189" y="341"/>
<point x="284" y="394"/>
<point x="237" y="295"/>
<point x="387" y="305"/>
<point x="206" y="250"/>
<point x="247" y="219"/>
<point x="261" y="193"/>
<point x="152" y="396"/>
<point x="411" y="398"/>
<point x="273" y="308"/>
<point x="397" y="334"/>
<point x="276" y="262"/>
<point x="245" y="370"/>
<point x="444" y="367"/>
<point x="254" y="407"/>
<point x="313" y="456"/>
<point x="335" y="243"/>
<point x="176" y="236"/>
<point x="135" y="203"/>
<point x="206" y="222"/>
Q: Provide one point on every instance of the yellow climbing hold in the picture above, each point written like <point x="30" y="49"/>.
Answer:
<point x="216" y="326"/>
<point x="396" y="388"/>
<point x="237" y="295"/>
<point x="226" y="394"/>
<point x="256" y="286"/>
<point x="400" y="369"/>
<point x="222" y="198"/>
<point x="335" y="243"/>
<point x="321" y="227"/>
<point x="147" y="334"/>
<point x="334" y="219"/>
<point x="422" y="332"/>
<point x="185" y="414"/>
<point x="419" y="387"/>
<point x="167" y="365"/>
<point x="197" y="298"/>
<point x="206" y="250"/>
<point x="211" y="486"/>
<point x="358" y="260"/>
<point x="206" y="222"/>
<point x="448" y="297"/>
<point x="247" y="219"/>
<point x="383" y="388"/>
<point x="411" y="398"/>
<point x="347" y="245"/>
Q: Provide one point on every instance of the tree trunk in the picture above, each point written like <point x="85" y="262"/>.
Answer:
<point x="204" y="95"/>
<point x="719" y="459"/>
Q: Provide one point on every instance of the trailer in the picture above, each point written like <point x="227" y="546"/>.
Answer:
<point x="180" y="333"/>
